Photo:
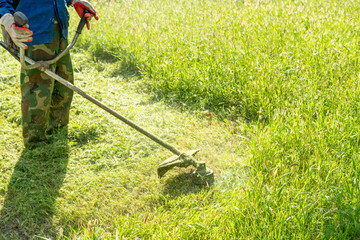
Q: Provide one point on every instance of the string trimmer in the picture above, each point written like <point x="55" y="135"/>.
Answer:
<point x="201" y="175"/>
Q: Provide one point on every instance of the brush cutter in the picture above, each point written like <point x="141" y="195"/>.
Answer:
<point x="201" y="175"/>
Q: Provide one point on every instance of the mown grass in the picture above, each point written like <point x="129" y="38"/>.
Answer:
<point x="99" y="178"/>
<point x="281" y="75"/>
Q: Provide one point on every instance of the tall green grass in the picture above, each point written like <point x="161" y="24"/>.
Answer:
<point x="250" y="57"/>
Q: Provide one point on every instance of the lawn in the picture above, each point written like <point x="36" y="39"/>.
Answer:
<point x="267" y="89"/>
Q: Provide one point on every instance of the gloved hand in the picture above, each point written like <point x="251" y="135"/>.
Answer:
<point x="80" y="5"/>
<point x="19" y="35"/>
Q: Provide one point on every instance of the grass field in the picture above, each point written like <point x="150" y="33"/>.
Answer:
<point x="280" y="79"/>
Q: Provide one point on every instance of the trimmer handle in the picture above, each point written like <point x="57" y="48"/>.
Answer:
<point x="82" y="22"/>
<point x="20" y="19"/>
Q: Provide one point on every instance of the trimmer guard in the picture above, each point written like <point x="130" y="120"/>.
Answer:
<point x="201" y="176"/>
<point x="176" y="161"/>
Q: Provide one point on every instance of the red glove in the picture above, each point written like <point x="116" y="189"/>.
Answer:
<point x="80" y="5"/>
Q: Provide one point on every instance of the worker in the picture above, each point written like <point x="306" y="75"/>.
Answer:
<point x="45" y="103"/>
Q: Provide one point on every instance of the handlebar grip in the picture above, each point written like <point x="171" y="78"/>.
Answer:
<point x="82" y="22"/>
<point x="20" y="19"/>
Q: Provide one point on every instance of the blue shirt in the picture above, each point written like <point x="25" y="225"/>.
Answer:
<point x="41" y="15"/>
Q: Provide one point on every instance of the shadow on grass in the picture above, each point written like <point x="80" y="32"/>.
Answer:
<point x="33" y="189"/>
<point x="127" y="63"/>
<point x="229" y="112"/>
<point x="190" y="99"/>
<point x="181" y="185"/>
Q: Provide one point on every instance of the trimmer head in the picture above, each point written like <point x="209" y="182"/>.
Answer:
<point x="201" y="176"/>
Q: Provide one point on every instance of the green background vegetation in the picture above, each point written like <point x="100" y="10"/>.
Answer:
<point x="281" y="81"/>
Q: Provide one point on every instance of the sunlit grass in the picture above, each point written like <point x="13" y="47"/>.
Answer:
<point x="281" y="75"/>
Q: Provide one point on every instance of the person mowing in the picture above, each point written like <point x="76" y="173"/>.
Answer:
<point x="45" y="103"/>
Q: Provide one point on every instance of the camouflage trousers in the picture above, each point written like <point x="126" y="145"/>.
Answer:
<point x="45" y="103"/>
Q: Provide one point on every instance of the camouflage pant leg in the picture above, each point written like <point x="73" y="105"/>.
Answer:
<point x="62" y="95"/>
<point x="44" y="102"/>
